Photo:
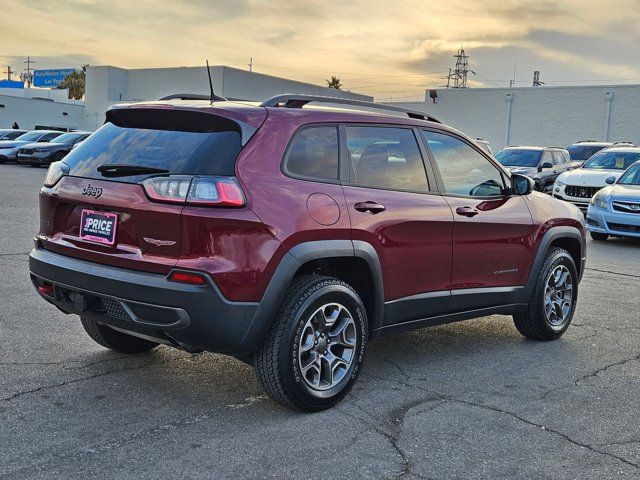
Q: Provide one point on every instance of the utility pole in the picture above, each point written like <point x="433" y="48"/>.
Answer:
<point x="461" y="72"/>
<point x="8" y="71"/>
<point x="250" y="64"/>
<point x="512" y="83"/>
<point x="28" y="77"/>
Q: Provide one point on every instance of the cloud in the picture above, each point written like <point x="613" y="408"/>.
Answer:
<point x="378" y="47"/>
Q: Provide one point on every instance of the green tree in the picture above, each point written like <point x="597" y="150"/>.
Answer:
<point x="75" y="82"/>
<point x="334" y="82"/>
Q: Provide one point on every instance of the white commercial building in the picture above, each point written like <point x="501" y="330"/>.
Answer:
<point x="110" y="85"/>
<point x="39" y="107"/>
<point x="107" y="85"/>
<point x="547" y="116"/>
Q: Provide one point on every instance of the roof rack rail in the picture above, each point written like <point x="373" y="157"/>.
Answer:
<point x="290" y="100"/>
<point x="589" y="141"/>
<point x="192" y="96"/>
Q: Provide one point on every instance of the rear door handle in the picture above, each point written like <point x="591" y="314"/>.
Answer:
<point x="371" y="207"/>
<point x="467" y="211"/>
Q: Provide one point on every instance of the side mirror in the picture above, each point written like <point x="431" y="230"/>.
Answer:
<point x="521" y="184"/>
<point x="611" y="180"/>
<point x="545" y="165"/>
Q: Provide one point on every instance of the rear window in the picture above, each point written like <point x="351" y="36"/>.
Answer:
<point x="182" y="142"/>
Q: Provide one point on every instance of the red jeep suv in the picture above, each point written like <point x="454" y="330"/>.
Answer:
<point x="290" y="237"/>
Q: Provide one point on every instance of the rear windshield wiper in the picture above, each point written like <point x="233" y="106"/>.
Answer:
<point x="116" y="170"/>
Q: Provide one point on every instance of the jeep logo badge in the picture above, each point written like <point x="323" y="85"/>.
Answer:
<point x="92" y="191"/>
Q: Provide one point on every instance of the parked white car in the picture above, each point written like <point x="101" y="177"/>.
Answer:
<point x="579" y="185"/>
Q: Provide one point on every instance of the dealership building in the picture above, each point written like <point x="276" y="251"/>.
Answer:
<point x="546" y="116"/>
<point x="107" y="85"/>
<point x="549" y="116"/>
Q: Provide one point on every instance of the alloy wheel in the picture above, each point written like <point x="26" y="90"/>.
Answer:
<point x="327" y="346"/>
<point x="558" y="296"/>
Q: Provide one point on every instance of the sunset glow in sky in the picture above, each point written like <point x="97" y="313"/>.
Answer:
<point x="383" y="48"/>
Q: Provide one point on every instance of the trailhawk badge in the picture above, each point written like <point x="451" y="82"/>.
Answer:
<point x="159" y="243"/>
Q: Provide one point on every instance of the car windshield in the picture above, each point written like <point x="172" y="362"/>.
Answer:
<point x="631" y="176"/>
<point x="30" y="136"/>
<point x="10" y="135"/>
<point x="583" y="152"/>
<point x="67" y="138"/>
<point x="612" y="160"/>
<point x="519" y="158"/>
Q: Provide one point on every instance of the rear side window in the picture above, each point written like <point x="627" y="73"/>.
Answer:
<point x="313" y="153"/>
<point x="184" y="143"/>
<point x="558" y="158"/>
<point x="385" y="157"/>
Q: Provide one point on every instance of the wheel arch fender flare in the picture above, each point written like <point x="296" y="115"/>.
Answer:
<point x="553" y="234"/>
<point x="302" y="253"/>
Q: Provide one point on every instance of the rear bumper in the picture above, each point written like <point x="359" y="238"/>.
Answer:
<point x="187" y="316"/>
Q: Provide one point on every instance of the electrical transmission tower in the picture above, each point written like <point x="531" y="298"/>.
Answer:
<point x="28" y="76"/>
<point x="458" y="77"/>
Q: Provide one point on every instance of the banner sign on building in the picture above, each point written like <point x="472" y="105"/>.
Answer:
<point x="11" y="84"/>
<point x="50" y="78"/>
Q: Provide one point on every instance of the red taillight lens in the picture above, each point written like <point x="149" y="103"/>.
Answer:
<point x="215" y="191"/>
<point x="200" y="191"/>
<point x="56" y="171"/>
<point x="171" y="189"/>
<point x="187" y="277"/>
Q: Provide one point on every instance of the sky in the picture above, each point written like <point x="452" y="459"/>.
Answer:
<point x="392" y="50"/>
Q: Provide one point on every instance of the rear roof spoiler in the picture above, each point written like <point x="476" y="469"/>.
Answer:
<point x="156" y="120"/>
<point x="299" y="100"/>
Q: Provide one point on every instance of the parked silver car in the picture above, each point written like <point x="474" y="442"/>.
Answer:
<point x="615" y="210"/>
<point x="9" y="148"/>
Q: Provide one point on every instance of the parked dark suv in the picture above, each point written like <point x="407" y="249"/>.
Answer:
<point x="290" y="237"/>
<point x="542" y="164"/>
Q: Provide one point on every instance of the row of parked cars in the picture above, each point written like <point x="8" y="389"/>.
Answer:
<point x="37" y="147"/>
<point x="600" y="178"/>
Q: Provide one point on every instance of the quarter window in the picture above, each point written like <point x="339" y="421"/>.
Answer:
<point x="385" y="157"/>
<point x="313" y="153"/>
<point x="464" y="170"/>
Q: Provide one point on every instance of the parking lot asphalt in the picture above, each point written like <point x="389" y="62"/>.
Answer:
<point x="467" y="400"/>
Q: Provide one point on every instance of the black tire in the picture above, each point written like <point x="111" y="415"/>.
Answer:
<point x="537" y="186"/>
<point x="114" y="340"/>
<point x="277" y="362"/>
<point x="599" y="237"/>
<point x="534" y="323"/>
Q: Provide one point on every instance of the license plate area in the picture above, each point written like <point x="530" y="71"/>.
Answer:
<point x="98" y="227"/>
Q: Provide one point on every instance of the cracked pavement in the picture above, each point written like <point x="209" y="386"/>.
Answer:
<point x="467" y="400"/>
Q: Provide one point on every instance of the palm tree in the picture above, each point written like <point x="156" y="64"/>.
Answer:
<point x="75" y="82"/>
<point x="334" y="82"/>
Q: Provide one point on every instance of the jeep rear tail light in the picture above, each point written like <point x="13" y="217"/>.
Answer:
<point x="215" y="191"/>
<point x="171" y="189"/>
<point x="198" y="191"/>
<point x="56" y="171"/>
